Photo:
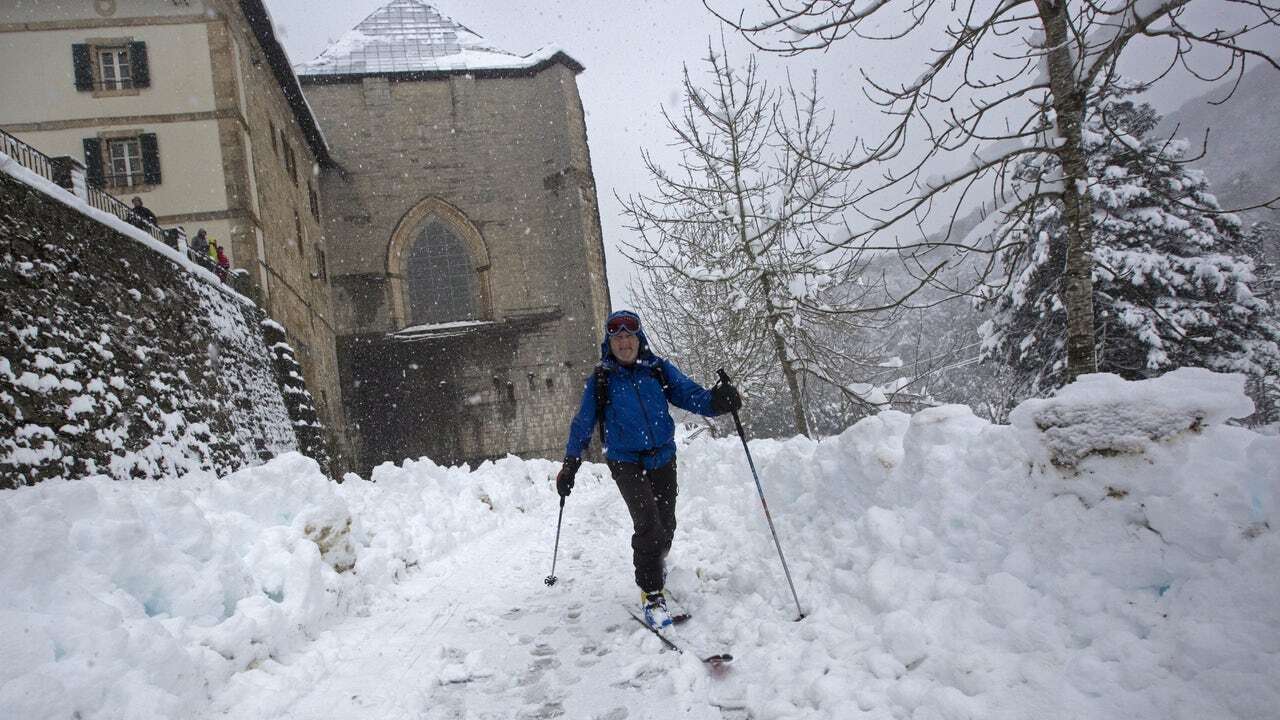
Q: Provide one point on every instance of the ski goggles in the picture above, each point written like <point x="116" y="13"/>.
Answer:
<point x="622" y="324"/>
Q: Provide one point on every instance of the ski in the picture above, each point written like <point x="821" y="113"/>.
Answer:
<point x="716" y="660"/>
<point x="679" y="615"/>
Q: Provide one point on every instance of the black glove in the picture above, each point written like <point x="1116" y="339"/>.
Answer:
<point x="725" y="398"/>
<point x="564" y="481"/>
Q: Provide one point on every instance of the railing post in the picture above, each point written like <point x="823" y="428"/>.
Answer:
<point x="69" y="173"/>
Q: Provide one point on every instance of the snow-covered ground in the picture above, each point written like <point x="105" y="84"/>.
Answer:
<point x="1112" y="554"/>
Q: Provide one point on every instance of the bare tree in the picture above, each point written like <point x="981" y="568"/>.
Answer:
<point x="1005" y="81"/>
<point x="733" y="241"/>
<point x="697" y="325"/>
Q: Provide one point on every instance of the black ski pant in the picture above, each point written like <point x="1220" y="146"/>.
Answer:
<point x="651" y="499"/>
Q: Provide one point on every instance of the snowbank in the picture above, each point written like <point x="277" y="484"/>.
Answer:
<point x="949" y="568"/>
<point x="132" y="598"/>
<point x="137" y="599"/>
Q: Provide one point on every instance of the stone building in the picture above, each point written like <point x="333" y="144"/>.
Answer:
<point x="465" y="245"/>
<point x="192" y="106"/>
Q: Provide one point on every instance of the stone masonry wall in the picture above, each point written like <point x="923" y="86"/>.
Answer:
<point x="277" y="232"/>
<point x="480" y="395"/>
<point x="115" y="360"/>
<point x="509" y="154"/>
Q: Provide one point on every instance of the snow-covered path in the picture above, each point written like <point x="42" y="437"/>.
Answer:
<point x="1110" y="554"/>
<point x="477" y="634"/>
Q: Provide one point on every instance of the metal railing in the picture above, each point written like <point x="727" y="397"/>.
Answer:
<point x="124" y="181"/>
<point x="109" y="85"/>
<point x="68" y="173"/>
<point x="59" y="170"/>
<point x="27" y="156"/>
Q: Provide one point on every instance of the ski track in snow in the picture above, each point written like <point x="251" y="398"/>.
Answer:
<point x="500" y="643"/>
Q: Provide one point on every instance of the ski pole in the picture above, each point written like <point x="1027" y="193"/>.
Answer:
<point x="724" y="378"/>
<point x="551" y="579"/>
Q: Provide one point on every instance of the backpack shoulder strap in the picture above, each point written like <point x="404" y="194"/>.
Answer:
<point x="661" y="376"/>
<point x="602" y="398"/>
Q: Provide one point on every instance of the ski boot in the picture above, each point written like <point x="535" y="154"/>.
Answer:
<point x="655" y="610"/>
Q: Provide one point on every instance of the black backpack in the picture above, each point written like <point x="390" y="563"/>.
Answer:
<point x="602" y="391"/>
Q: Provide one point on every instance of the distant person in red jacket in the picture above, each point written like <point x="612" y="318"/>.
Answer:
<point x="224" y="265"/>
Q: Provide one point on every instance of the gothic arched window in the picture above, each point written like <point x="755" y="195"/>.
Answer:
<point x="437" y="267"/>
<point x="441" y="275"/>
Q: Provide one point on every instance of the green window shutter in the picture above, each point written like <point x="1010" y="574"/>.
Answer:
<point x="150" y="158"/>
<point x="138" y="66"/>
<point x="93" y="161"/>
<point x="82" y="63"/>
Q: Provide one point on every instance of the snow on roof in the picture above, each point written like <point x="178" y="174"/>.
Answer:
<point x="412" y="36"/>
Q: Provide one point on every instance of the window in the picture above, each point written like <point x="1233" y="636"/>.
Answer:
<point x="275" y="144"/>
<point x="124" y="163"/>
<point x="322" y="266"/>
<point x="126" y="159"/>
<point x="443" y="283"/>
<point x="109" y="66"/>
<point x="297" y="231"/>
<point x="315" y="202"/>
<point x="290" y="163"/>
<point x="113" y="68"/>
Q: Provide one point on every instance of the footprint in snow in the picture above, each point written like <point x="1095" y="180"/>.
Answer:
<point x="542" y="712"/>
<point x="543" y="660"/>
<point x="643" y="679"/>
<point x="590" y="655"/>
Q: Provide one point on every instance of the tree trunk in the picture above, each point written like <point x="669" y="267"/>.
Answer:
<point x="771" y="311"/>
<point x="1068" y="104"/>
<point x="780" y="349"/>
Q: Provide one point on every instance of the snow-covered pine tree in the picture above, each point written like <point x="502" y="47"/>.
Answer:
<point x="1262" y="241"/>
<point x="1171" y="277"/>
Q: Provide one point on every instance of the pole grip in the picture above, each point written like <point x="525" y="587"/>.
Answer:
<point x="724" y="379"/>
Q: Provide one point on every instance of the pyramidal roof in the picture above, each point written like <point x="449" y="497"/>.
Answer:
<point x="412" y="36"/>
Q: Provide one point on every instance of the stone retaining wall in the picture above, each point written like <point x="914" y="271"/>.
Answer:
<point x="116" y="360"/>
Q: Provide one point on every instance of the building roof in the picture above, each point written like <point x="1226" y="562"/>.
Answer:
<point x="264" y="30"/>
<point x="412" y="37"/>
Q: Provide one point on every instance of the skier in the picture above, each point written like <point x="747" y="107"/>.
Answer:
<point x="627" y="396"/>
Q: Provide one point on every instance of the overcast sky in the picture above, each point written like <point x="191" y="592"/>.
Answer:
<point x="633" y="52"/>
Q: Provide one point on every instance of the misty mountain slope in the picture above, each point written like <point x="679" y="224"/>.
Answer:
<point x="1243" y="157"/>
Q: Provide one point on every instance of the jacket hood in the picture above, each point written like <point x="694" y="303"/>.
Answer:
<point x="645" y="356"/>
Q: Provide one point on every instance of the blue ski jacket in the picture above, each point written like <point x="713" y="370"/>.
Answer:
<point x="638" y="428"/>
